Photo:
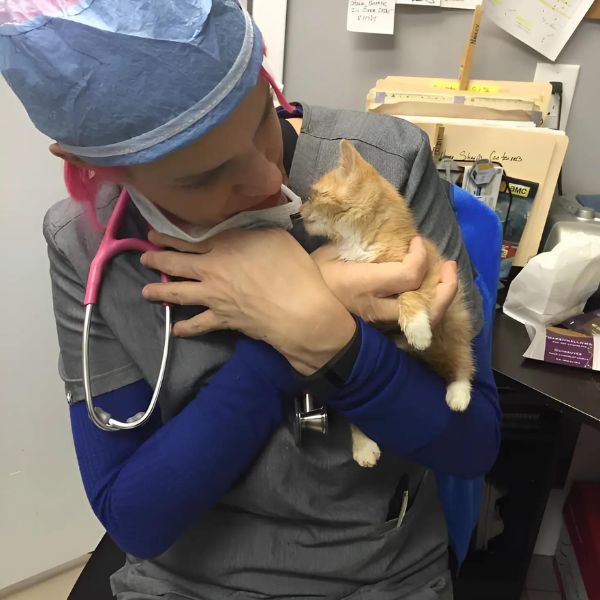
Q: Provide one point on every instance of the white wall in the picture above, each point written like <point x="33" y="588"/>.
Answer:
<point x="45" y="520"/>
<point x="270" y="16"/>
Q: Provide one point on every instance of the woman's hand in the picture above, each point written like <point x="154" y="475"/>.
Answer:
<point x="368" y="289"/>
<point x="260" y="282"/>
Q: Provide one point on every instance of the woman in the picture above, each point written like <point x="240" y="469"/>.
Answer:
<point x="212" y="498"/>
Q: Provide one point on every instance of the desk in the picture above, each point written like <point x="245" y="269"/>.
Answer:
<point x="543" y="408"/>
<point x="573" y="392"/>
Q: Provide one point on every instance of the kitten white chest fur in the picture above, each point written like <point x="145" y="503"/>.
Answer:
<point x="351" y="247"/>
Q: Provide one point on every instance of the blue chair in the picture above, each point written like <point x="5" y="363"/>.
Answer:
<point x="482" y="234"/>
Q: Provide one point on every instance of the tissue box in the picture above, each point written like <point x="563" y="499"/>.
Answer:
<point x="575" y="343"/>
<point x="578" y="552"/>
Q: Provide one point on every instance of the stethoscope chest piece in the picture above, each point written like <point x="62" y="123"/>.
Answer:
<point x="308" y="417"/>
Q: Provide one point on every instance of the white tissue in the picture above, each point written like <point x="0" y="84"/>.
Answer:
<point x="555" y="285"/>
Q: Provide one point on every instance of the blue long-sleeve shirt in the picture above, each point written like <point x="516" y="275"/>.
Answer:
<point x="394" y="398"/>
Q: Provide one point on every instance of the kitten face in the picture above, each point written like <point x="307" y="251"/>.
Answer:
<point x="343" y="202"/>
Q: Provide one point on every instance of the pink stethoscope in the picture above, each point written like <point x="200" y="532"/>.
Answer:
<point x="110" y="247"/>
<point x="307" y="416"/>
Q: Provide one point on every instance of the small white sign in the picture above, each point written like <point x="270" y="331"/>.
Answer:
<point x="371" y="16"/>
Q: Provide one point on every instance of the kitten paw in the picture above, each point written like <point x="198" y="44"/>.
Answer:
<point x="367" y="453"/>
<point x="418" y="331"/>
<point x="458" y="395"/>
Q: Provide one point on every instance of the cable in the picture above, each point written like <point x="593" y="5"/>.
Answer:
<point x="557" y="89"/>
<point x="510" y="202"/>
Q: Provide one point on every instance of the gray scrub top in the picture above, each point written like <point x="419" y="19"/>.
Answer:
<point x="303" y="522"/>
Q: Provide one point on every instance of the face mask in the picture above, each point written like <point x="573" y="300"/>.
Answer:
<point x="278" y="216"/>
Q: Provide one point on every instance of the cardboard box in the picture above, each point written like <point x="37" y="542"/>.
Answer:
<point x="485" y="99"/>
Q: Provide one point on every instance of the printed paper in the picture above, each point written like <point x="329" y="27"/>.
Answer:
<point x="545" y="25"/>
<point x="371" y="16"/>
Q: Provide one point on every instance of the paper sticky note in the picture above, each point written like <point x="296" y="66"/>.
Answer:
<point x="420" y="2"/>
<point x="371" y="16"/>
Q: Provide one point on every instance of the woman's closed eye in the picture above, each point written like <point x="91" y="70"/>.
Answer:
<point x="202" y="179"/>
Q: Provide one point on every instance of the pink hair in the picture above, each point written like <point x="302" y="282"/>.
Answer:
<point x="27" y="10"/>
<point x="83" y="185"/>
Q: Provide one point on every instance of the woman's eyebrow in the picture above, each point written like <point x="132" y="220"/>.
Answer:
<point x="197" y="177"/>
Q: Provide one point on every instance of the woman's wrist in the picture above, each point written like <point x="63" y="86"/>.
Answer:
<point x="332" y="377"/>
<point x="321" y="340"/>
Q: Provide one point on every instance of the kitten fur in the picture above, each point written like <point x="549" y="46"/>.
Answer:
<point x="369" y="221"/>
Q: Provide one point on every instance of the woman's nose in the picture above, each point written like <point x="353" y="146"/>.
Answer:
<point x="261" y="177"/>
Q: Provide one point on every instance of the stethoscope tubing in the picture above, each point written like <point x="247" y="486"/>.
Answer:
<point x="102" y="418"/>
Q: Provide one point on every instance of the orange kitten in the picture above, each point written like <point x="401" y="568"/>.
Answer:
<point x="369" y="221"/>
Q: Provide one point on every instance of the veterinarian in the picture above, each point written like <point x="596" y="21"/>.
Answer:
<point x="212" y="498"/>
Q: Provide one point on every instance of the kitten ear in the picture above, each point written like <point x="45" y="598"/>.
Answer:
<point x="349" y="157"/>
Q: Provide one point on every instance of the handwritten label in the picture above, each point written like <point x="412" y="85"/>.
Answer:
<point x="495" y="156"/>
<point x="371" y="16"/>
<point x="478" y="88"/>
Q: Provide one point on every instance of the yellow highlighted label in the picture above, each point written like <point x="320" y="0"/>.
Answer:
<point x="477" y="88"/>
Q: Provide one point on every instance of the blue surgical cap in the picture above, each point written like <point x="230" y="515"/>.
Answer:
<point x="120" y="82"/>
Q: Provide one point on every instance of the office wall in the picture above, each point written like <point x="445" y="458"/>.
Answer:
<point x="270" y="16"/>
<point x="45" y="520"/>
<point x="327" y="65"/>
